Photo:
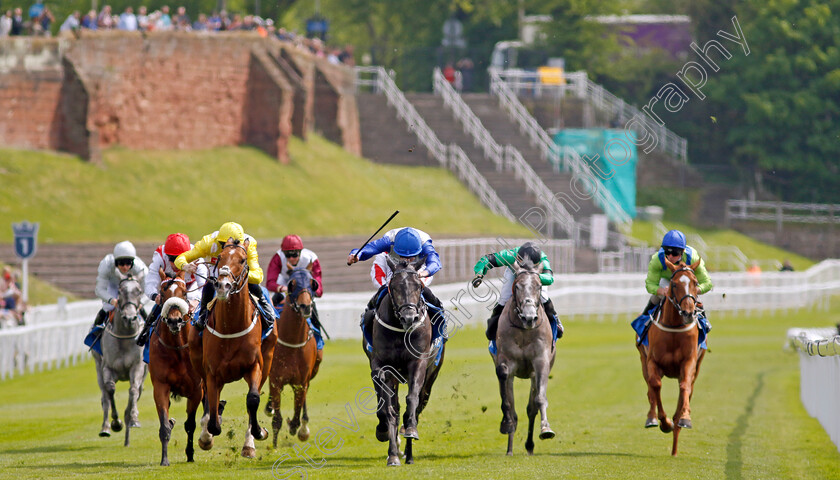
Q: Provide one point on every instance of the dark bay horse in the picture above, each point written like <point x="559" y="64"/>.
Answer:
<point x="673" y="350"/>
<point x="231" y="348"/>
<point x="296" y="355"/>
<point x="170" y="368"/>
<point x="401" y="329"/>
<point x="122" y="359"/>
<point x="524" y="349"/>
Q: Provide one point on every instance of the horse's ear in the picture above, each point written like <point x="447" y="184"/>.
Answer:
<point x="516" y="265"/>
<point x="418" y="263"/>
<point x="247" y="242"/>
<point x="694" y="265"/>
<point x="314" y="285"/>
<point x="390" y="262"/>
<point x="162" y="273"/>
<point x="292" y="285"/>
<point x="670" y="265"/>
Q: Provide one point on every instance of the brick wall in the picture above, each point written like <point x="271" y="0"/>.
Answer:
<point x="162" y="91"/>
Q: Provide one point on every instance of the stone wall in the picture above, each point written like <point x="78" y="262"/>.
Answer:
<point x="168" y="91"/>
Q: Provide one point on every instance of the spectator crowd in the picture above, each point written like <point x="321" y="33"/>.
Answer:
<point x="40" y="19"/>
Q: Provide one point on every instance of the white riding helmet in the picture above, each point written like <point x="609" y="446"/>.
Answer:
<point x="125" y="250"/>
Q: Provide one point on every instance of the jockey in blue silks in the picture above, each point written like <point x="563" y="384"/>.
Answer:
<point x="407" y="244"/>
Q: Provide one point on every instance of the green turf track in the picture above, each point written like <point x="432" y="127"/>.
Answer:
<point x="748" y="419"/>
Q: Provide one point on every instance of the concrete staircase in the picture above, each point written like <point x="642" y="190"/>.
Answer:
<point x="506" y="132"/>
<point x="385" y="137"/>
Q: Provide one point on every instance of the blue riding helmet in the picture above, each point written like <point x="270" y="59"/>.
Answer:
<point x="407" y="243"/>
<point x="675" y="239"/>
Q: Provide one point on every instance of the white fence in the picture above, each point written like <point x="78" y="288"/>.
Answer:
<point x="54" y="336"/>
<point x="819" y="372"/>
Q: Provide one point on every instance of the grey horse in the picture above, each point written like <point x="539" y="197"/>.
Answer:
<point x="122" y="359"/>
<point x="525" y="350"/>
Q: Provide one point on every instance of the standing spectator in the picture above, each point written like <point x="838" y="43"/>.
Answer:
<point x="164" y="22"/>
<point x="105" y="21"/>
<point x="17" y="22"/>
<point x="182" y="20"/>
<point x="200" y="25"/>
<point x="35" y="10"/>
<point x="89" y="20"/>
<point x="346" y="56"/>
<point x="214" y="23"/>
<point x="44" y="22"/>
<point x="6" y="24"/>
<point x="142" y="19"/>
<point x="72" y="23"/>
<point x="449" y="73"/>
<point x="332" y="57"/>
<point x="10" y="296"/>
<point x="128" y="21"/>
<point x="466" y="67"/>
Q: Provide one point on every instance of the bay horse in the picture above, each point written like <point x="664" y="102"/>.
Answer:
<point x="524" y="349"/>
<point x="170" y="368"/>
<point x="231" y="348"/>
<point x="122" y="359"/>
<point x="296" y="355"/>
<point x="402" y="347"/>
<point x="673" y="350"/>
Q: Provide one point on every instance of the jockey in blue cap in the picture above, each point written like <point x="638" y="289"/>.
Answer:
<point x="400" y="243"/>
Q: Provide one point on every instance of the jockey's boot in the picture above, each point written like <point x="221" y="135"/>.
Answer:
<point x="207" y="294"/>
<point x="265" y="305"/>
<point x="147" y="325"/>
<point x="101" y="316"/>
<point x="648" y="307"/>
<point x="493" y="322"/>
<point x="548" y="306"/>
<point x="367" y="320"/>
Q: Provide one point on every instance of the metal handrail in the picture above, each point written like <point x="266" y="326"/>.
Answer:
<point x="507" y="157"/>
<point x="450" y="156"/>
<point x="555" y="154"/>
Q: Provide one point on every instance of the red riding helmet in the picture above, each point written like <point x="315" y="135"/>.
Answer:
<point x="291" y="242"/>
<point x="176" y="244"/>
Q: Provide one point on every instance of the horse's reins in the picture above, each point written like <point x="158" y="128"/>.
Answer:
<point x="239" y="282"/>
<point x="397" y="309"/>
<point x="120" y="306"/>
<point x="677" y="305"/>
<point x="516" y="303"/>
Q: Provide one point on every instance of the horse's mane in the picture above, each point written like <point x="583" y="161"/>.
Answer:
<point x="526" y="264"/>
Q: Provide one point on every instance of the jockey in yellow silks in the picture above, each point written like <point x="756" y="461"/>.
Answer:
<point x="210" y="247"/>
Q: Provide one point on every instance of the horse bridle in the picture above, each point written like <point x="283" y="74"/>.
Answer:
<point x="527" y="301"/>
<point x="120" y="306"/>
<point x="183" y="320"/>
<point x="239" y="281"/>
<point x="678" y="304"/>
<point x="421" y="307"/>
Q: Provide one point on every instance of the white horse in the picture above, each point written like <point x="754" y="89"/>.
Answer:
<point x="122" y="359"/>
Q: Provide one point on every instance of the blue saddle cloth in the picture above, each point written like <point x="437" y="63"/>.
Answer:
<point x="553" y="321"/>
<point x="94" y="337"/>
<point x="640" y="326"/>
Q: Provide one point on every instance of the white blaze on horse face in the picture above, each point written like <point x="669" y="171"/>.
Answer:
<point x="685" y="281"/>
<point x="172" y="288"/>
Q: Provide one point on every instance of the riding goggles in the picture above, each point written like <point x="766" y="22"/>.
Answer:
<point x="673" y="251"/>
<point x="291" y="253"/>
<point x="120" y="262"/>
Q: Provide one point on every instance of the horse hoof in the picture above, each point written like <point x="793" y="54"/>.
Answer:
<point x="205" y="445"/>
<point x="249" y="452"/>
<point x="269" y="411"/>
<point x="116" y="425"/>
<point x="263" y="434"/>
<point x="104" y="433"/>
<point x="382" y="435"/>
<point x="651" y="422"/>
<point x="411" y="433"/>
<point x="665" y="427"/>
<point x="171" y="422"/>
<point x="164" y="463"/>
<point x="684" y="423"/>
<point x="303" y="435"/>
<point x="546" y="434"/>
<point x="135" y="424"/>
<point x="393" y="461"/>
<point x="509" y="453"/>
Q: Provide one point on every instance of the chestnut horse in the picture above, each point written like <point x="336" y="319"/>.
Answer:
<point x="231" y="348"/>
<point x="402" y="353"/>
<point x="296" y="355"/>
<point x="524" y="349"/>
<point x="169" y="362"/>
<point x="673" y="350"/>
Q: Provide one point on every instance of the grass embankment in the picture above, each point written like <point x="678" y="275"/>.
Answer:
<point x="748" y="419"/>
<point x="145" y="195"/>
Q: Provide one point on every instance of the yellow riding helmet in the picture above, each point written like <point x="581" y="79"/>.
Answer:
<point x="231" y="229"/>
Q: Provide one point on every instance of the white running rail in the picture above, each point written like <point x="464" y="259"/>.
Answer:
<point x="507" y="157"/>
<point x="449" y="156"/>
<point x="553" y="153"/>
<point x="819" y="375"/>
